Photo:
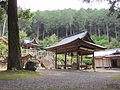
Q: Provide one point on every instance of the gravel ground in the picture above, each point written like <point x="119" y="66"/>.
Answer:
<point x="65" y="80"/>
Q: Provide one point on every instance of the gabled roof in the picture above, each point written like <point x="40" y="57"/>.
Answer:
<point x="83" y="40"/>
<point x="31" y="43"/>
<point x="82" y="36"/>
<point x="115" y="54"/>
<point x="105" y="53"/>
<point x="26" y="41"/>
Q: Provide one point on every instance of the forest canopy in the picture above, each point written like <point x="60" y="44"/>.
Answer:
<point x="41" y="25"/>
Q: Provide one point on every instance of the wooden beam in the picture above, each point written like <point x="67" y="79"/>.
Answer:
<point x="93" y="63"/>
<point x="65" y="60"/>
<point x="56" y="60"/>
<point x="87" y="49"/>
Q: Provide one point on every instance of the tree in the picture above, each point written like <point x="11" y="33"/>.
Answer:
<point x="114" y="43"/>
<point x="3" y="19"/>
<point x="14" y="52"/>
<point x="114" y="6"/>
<point x="49" y="41"/>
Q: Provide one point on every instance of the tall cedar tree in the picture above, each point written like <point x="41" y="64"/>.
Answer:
<point x="14" y="54"/>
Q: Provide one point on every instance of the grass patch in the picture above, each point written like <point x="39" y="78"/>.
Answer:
<point x="114" y="76"/>
<point x="63" y="89"/>
<point x="15" y="75"/>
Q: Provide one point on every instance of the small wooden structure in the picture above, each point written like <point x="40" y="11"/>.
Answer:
<point x="114" y="58"/>
<point x="27" y="44"/>
<point x="107" y="58"/>
<point x="77" y="45"/>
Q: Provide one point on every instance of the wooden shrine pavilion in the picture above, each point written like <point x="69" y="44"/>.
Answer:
<point x="27" y="44"/>
<point x="77" y="45"/>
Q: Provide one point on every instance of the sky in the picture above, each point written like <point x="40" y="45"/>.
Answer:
<point x="42" y="5"/>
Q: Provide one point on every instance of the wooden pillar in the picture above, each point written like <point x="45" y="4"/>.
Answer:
<point x="71" y="60"/>
<point x="109" y="61"/>
<point x="56" y="60"/>
<point x="78" y="61"/>
<point x="93" y="63"/>
<point x="81" y="61"/>
<point x="65" y="60"/>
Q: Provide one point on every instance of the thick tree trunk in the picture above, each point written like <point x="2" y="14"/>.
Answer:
<point x="14" y="52"/>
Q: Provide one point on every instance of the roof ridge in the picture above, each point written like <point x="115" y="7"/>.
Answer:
<point x="75" y="34"/>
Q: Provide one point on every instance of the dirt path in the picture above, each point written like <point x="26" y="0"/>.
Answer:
<point x="65" y="80"/>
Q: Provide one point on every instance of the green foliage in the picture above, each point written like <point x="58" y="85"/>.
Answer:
<point x="62" y="57"/>
<point x="3" y="49"/>
<point x="25" y="14"/>
<point x="4" y="4"/>
<point x="49" y="41"/>
<point x="114" y="44"/>
<point x="102" y="40"/>
<point x="2" y="14"/>
<point x="97" y="38"/>
<point x="23" y="36"/>
<point x="87" y="60"/>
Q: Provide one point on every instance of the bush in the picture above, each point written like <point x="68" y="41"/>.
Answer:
<point x="32" y="66"/>
<point x="3" y="49"/>
<point x="87" y="61"/>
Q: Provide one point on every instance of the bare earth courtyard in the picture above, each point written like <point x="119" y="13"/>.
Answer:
<point x="66" y="80"/>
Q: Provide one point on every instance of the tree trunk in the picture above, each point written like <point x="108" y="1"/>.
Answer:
<point x="116" y="35"/>
<point x="84" y="24"/>
<point x="3" y="30"/>
<point x="0" y="31"/>
<point x="14" y="52"/>
<point x="38" y="31"/>
<point x="95" y="30"/>
<point x="57" y="33"/>
<point x="70" y="29"/>
<point x="90" y="28"/>
<point x="99" y="32"/>
<point x="43" y="35"/>
<point x="107" y="28"/>
<point x="66" y="30"/>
